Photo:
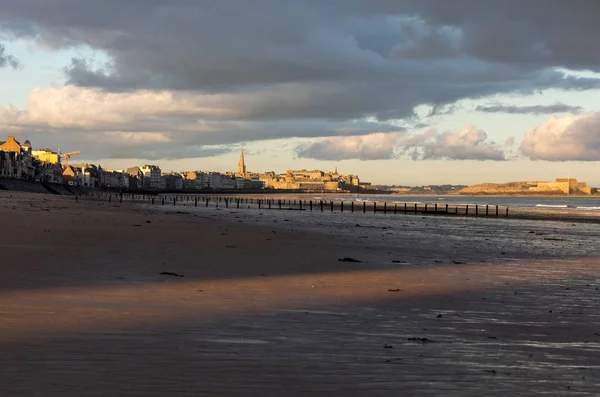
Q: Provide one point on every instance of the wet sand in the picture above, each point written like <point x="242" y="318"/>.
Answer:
<point x="267" y="309"/>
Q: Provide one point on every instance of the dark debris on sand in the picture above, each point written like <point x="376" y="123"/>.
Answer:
<point x="171" y="274"/>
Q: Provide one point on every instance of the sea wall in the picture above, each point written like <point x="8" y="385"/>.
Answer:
<point x="560" y="187"/>
<point x="551" y="187"/>
<point x="32" y="187"/>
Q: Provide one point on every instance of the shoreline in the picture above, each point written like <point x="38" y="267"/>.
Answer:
<point x="531" y="213"/>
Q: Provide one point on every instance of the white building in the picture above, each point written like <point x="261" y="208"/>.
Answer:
<point x="152" y="177"/>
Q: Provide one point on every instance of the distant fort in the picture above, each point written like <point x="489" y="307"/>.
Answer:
<point x="562" y="186"/>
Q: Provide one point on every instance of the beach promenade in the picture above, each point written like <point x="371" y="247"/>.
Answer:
<point x="126" y="299"/>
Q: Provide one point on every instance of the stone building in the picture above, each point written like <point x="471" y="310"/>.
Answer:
<point x="115" y="179"/>
<point x="242" y="171"/>
<point x="562" y="185"/>
<point x="16" y="160"/>
<point x="150" y="176"/>
<point x="194" y="180"/>
<point x="87" y="175"/>
<point x="48" y="166"/>
<point x="173" y="181"/>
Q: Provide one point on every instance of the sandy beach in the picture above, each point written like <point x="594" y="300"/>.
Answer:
<point x="259" y="304"/>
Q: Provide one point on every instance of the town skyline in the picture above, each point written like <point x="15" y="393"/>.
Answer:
<point x="427" y="95"/>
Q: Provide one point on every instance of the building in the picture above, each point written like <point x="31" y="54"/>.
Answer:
<point x="242" y="172"/>
<point x="194" y="180"/>
<point x="48" y="166"/>
<point x="173" y="181"/>
<point x="17" y="160"/>
<point x="561" y="185"/>
<point x="152" y="177"/>
<point x="311" y="181"/>
<point x="115" y="179"/>
<point x="87" y="175"/>
<point x="149" y="176"/>
<point x="218" y="181"/>
<point x="46" y="156"/>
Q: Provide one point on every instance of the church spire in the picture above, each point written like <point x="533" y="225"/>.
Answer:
<point x="242" y="164"/>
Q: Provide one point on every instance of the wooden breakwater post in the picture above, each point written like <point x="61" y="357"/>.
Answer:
<point x="405" y="208"/>
<point x="385" y="207"/>
<point x="259" y="203"/>
<point x="331" y="204"/>
<point x="496" y="210"/>
<point x="476" y="210"/>
<point x="310" y="203"/>
<point x="415" y="208"/>
<point x="342" y="206"/>
<point x="174" y="201"/>
<point x="300" y="202"/>
<point x="110" y="198"/>
<point x="269" y="203"/>
<point x="321" y="205"/>
<point x="507" y="212"/>
<point x="374" y="207"/>
<point x="395" y="208"/>
<point x="487" y="210"/>
<point x="364" y="207"/>
<point x="279" y="203"/>
<point x="352" y="206"/>
<point x="162" y="201"/>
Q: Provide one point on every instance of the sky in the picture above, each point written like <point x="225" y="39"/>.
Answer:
<point x="406" y="92"/>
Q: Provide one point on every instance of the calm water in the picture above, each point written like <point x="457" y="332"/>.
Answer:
<point x="577" y="203"/>
<point x="570" y="202"/>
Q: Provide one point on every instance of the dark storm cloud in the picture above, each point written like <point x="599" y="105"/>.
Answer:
<point x="537" y="109"/>
<point x="298" y="69"/>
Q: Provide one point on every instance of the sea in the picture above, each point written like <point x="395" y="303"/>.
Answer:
<point x="572" y="203"/>
<point x="579" y="203"/>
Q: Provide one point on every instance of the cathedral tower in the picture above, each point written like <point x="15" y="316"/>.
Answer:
<point x="241" y="164"/>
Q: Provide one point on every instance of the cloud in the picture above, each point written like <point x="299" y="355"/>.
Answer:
<point x="567" y="138"/>
<point x="222" y="72"/>
<point x="466" y="144"/>
<point x="145" y="122"/>
<point x="7" y="60"/>
<point x="377" y="146"/>
<point x="377" y="59"/>
<point x="537" y="109"/>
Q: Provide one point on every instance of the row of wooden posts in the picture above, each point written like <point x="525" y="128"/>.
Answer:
<point x="310" y="205"/>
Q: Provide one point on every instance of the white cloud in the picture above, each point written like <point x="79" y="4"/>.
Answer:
<point x="377" y="146"/>
<point x="570" y="137"/>
<point x="466" y="144"/>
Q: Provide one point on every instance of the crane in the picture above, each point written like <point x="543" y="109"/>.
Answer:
<point x="68" y="155"/>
